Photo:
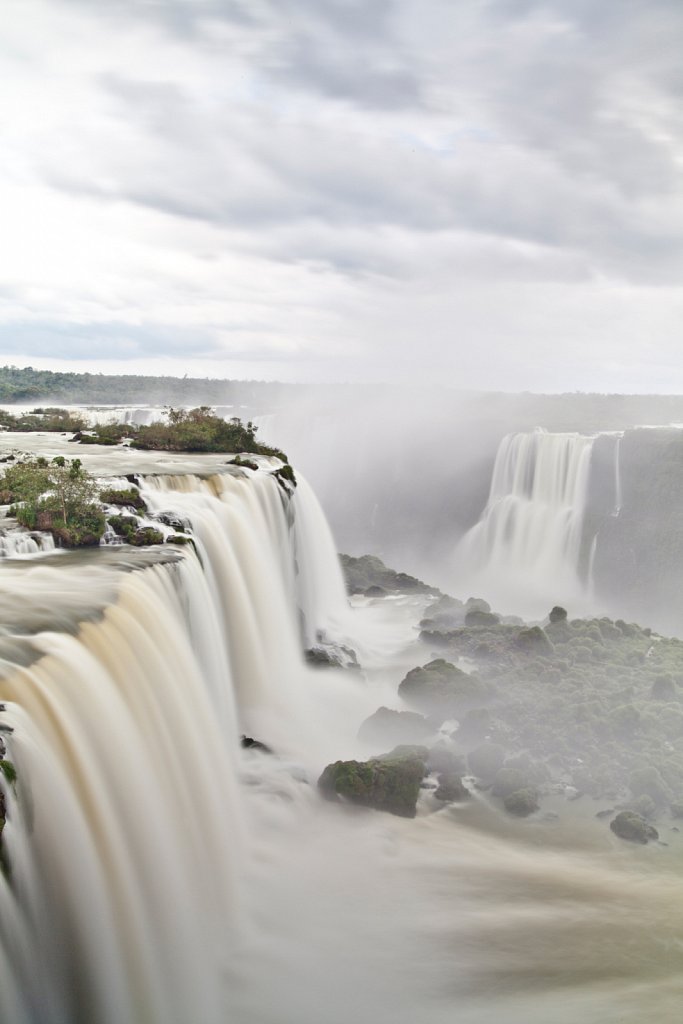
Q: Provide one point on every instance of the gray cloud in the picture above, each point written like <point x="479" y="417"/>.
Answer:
<point x="345" y="148"/>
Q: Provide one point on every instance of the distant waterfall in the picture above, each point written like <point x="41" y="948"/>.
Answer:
<point x="524" y="551"/>
<point x="617" y="477"/>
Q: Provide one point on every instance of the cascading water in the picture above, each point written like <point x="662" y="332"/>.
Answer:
<point x="524" y="551"/>
<point x="18" y="543"/>
<point x="128" y="824"/>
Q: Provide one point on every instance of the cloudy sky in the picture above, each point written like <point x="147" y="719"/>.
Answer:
<point x="485" y="193"/>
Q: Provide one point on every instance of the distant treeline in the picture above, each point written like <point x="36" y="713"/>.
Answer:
<point x="27" y="384"/>
<point x="440" y="405"/>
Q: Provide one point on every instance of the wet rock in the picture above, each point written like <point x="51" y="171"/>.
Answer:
<point x="387" y="726"/>
<point x="370" y="571"/>
<point x="534" y="641"/>
<point x="522" y="802"/>
<point x="331" y="656"/>
<point x="479" y="618"/>
<point x="248" y="743"/>
<point x="630" y="826"/>
<point x="390" y="782"/>
<point x="557" y="614"/>
<point x="439" y="688"/>
<point x="173" y="520"/>
<point x="451" y="788"/>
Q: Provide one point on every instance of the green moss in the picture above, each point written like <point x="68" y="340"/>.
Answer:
<point x="388" y="783"/>
<point x="130" y="498"/>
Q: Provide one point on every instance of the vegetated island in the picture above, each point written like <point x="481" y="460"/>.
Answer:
<point x="62" y="499"/>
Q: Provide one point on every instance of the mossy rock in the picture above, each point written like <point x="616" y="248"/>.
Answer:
<point x="522" y="802"/>
<point x="630" y="826"/>
<point x="387" y="726"/>
<point x="146" y="536"/>
<point x="558" y="614"/>
<point x="509" y="780"/>
<point x="664" y="689"/>
<point x="480" y="618"/>
<point x="439" y="688"/>
<point x="389" y="783"/>
<point x="534" y="641"/>
<point x="451" y="788"/>
<point x="130" y="498"/>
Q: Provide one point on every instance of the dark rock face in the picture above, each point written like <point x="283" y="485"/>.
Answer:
<point x="367" y="573"/>
<point x="248" y="743"/>
<point x="451" y="788"/>
<point x="639" y="552"/>
<point x="557" y="614"/>
<point x="441" y="689"/>
<point x="389" y="783"/>
<point x="331" y="656"/>
<point x="387" y="726"/>
<point x="630" y="826"/>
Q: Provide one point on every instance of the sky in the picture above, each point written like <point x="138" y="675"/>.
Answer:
<point x="485" y="194"/>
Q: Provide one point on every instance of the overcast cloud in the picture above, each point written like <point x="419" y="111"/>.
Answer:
<point x="486" y="193"/>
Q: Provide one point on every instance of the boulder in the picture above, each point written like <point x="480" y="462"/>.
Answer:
<point x="248" y="743"/>
<point x="481" y="618"/>
<point x="390" y="782"/>
<point x="630" y="826"/>
<point x="451" y="788"/>
<point x="533" y="641"/>
<point x="331" y="656"/>
<point x="387" y="726"/>
<point x="441" y="689"/>
<point x="557" y="614"/>
<point x="522" y="802"/>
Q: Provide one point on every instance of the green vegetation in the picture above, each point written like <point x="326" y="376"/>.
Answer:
<point x="129" y="498"/>
<point x="390" y="782"/>
<point x="60" y="498"/>
<point x="189" y="430"/>
<point x="592" y="702"/>
<point x="49" y="419"/>
<point x="128" y="528"/>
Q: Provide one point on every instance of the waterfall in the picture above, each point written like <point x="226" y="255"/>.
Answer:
<point x="127" y="825"/>
<point x="18" y="543"/>
<point x="617" y="476"/>
<point x="524" y="552"/>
